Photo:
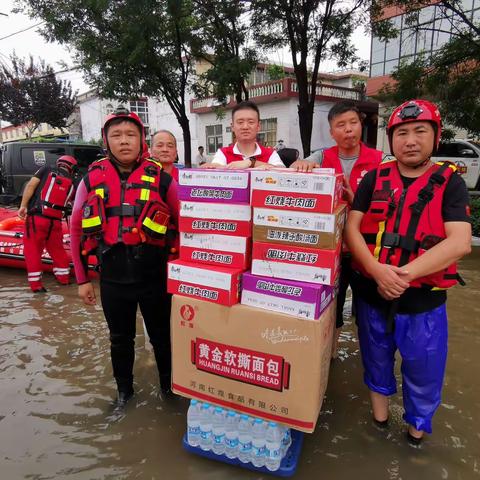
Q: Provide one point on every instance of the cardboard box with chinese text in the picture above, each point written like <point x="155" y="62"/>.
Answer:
<point x="262" y="363"/>
<point x="296" y="263"/>
<point x="300" y="299"/>
<point x="206" y="185"/>
<point x="289" y="190"/>
<point x="314" y="230"/>
<point x="220" y="218"/>
<point x="211" y="249"/>
<point x="213" y="284"/>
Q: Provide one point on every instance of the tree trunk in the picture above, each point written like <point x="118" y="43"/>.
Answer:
<point x="187" y="140"/>
<point x="305" y="110"/>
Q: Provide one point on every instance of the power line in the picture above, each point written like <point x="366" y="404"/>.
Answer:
<point x="21" y="31"/>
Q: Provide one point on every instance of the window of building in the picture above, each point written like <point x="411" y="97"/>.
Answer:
<point x="378" y="50"/>
<point x="390" y="66"/>
<point x="214" y="135"/>
<point x="140" y="107"/>
<point x="267" y="135"/>
<point x="376" y="70"/>
<point x="424" y="41"/>
<point x="409" y="39"/>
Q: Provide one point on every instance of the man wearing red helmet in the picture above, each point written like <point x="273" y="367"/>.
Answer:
<point x="408" y="227"/>
<point x="43" y="205"/>
<point x="125" y="213"/>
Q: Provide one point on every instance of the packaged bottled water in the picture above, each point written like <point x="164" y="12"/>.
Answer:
<point x="231" y="434"/>
<point x="206" y="427"/>
<point x="244" y="439"/>
<point x="273" y="443"/>
<point x="193" y="423"/>
<point x="218" y="429"/>
<point x="258" y="443"/>
<point x="286" y="439"/>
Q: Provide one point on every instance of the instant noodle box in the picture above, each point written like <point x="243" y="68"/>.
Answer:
<point x="314" y="230"/>
<point x="212" y="249"/>
<point x="213" y="284"/>
<point x="300" y="299"/>
<point x="203" y="185"/>
<point x="296" y="263"/>
<point x="288" y="190"/>
<point x="218" y="218"/>
<point x="261" y="363"/>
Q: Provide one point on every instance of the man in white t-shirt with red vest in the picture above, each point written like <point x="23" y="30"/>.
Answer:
<point x="352" y="158"/>
<point x="246" y="152"/>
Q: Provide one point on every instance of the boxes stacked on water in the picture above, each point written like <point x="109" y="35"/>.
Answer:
<point x="268" y="357"/>
<point x="215" y="227"/>
<point x="298" y="221"/>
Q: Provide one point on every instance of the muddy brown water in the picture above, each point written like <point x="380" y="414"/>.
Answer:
<point x="56" y="391"/>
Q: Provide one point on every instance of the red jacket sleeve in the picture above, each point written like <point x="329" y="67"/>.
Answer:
<point x="81" y="273"/>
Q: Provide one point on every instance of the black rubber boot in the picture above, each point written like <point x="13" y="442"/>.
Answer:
<point x="123" y="397"/>
<point x="414" y="441"/>
<point x="165" y="384"/>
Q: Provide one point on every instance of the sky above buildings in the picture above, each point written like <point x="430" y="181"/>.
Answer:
<point x="17" y="35"/>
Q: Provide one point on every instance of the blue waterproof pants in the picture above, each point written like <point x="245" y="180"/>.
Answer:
<point x="421" y="339"/>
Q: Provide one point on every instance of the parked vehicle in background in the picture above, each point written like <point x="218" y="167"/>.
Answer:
<point x="466" y="156"/>
<point x="20" y="160"/>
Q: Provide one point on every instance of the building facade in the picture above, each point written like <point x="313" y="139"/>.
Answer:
<point x="419" y="35"/>
<point x="210" y="126"/>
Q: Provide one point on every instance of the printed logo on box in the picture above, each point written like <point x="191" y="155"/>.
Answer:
<point x="297" y="237"/>
<point x="279" y="288"/>
<point x="294" y="202"/>
<point x="248" y="366"/>
<point x="212" y="257"/>
<point x="213" y="225"/>
<point x="187" y="312"/>
<point x="212" y="193"/>
<point x="300" y="257"/>
<point x="198" y="292"/>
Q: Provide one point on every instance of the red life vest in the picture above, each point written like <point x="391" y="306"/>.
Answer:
<point x="130" y="211"/>
<point x="402" y="223"/>
<point x="368" y="159"/>
<point x="231" y="156"/>
<point x="54" y="196"/>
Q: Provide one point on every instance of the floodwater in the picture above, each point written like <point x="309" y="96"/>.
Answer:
<point x="56" y="395"/>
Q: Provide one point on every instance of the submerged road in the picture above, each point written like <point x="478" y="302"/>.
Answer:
<point x="56" y="390"/>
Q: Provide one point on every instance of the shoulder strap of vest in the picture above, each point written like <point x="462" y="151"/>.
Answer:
<point x="164" y="184"/>
<point x="437" y="178"/>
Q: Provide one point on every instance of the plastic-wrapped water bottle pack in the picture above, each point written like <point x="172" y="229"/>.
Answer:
<point x="226" y="432"/>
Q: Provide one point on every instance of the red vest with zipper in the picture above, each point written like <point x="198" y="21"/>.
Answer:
<point x="54" y="196"/>
<point x="368" y="159"/>
<point x="147" y="183"/>
<point x="231" y="156"/>
<point x="387" y="226"/>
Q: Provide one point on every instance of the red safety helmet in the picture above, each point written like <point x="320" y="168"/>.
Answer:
<point x="122" y="112"/>
<point x="416" y="111"/>
<point x="67" y="162"/>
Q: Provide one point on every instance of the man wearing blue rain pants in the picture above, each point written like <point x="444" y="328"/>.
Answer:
<point x="408" y="227"/>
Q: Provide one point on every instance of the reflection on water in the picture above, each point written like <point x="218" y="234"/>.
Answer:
<point x="56" y="391"/>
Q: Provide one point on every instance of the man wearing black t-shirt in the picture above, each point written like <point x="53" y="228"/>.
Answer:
<point x="408" y="227"/>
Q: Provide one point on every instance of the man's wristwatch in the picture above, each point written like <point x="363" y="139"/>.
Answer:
<point x="252" y="162"/>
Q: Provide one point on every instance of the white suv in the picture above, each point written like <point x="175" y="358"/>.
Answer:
<point x="466" y="155"/>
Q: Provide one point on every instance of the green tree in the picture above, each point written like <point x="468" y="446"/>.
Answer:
<point x="224" y="33"/>
<point x="128" y="49"/>
<point x="30" y="94"/>
<point x="313" y="30"/>
<point x="450" y="76"/>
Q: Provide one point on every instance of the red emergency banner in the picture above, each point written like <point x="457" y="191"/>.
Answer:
<point x="248" y="366"/>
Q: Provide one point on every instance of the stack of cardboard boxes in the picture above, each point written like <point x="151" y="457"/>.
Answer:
<point x="215" y="228"/>
<point x="256" y="360"/>
<point x="298" y="223"/>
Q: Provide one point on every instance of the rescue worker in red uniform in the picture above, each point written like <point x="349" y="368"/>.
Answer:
<point x="125" y="212"/>
<point x="408" y="226"/>
<point x="43" y="206"/>
<point x="246" y="152"/>
<point x="353" y="159"/>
